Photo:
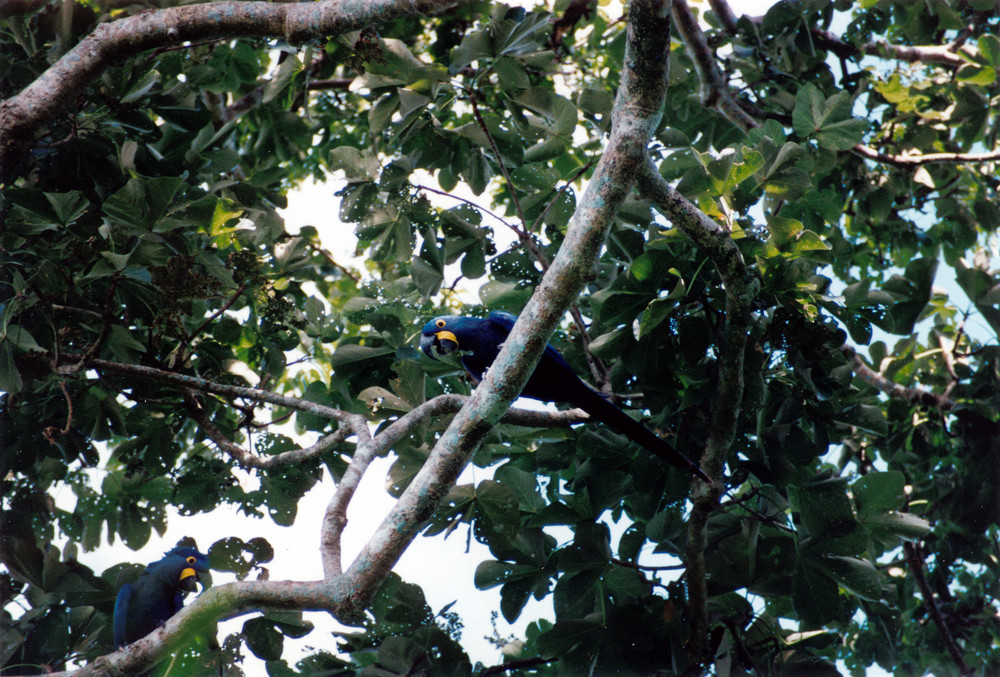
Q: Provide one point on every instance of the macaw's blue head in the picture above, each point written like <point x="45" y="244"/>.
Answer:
<point x="181" y="566"/>
<point x="444" y="333"/>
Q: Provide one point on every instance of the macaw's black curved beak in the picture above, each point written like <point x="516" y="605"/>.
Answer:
<point x="443" y="341"/>
<point x="189" y="582"/>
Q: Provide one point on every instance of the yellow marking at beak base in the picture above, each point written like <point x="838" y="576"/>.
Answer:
<point x="447" y="335"/>
<point x="188" y="573"/>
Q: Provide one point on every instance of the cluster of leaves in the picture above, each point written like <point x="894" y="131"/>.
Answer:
<point x="168" y="252"/>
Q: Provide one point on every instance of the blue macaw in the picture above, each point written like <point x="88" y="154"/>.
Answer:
<point x="157" y="595"/>
<point x="552" y="381"/>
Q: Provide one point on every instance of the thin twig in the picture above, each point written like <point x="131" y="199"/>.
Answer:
<point x="496" y="153"/>
<point x="179" y="356"/>
<point x="248" y="460"/>
<point x="472" y="204"/>
<point x="915" y="559"/>
<point x="51" y="432"/>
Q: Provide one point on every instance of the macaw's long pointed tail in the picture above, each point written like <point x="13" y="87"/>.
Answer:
<point x="605" y="412"/>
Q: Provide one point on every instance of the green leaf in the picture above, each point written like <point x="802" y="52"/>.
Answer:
<point x="475" y="45"/>
<point x="878" y="493"/>
<point x="814" y="594"/>
<point x="827" y="517"/>
<point x="597" y="102"/>
<point x="989" y="49"/>
<point x="867" y="417"/>
<point x="511" y="73"/>
<point x="828" y="120"/>
<point x="356" y="165"/>
<point x="10" y="379"/>
<point x="523" y="484"/>
<point x="19" y="337"/>
<point x="858" y="576"/>
<point x="263" y="639"/>
<point x="973" y="74"/>
<point x="514" y="33"/>
<point x="903" y="524"/>
<point x="381" y="112"/>
<point x="498" y="517"/>
<point x="492" y="573"/>
<point x="356" y="356"/>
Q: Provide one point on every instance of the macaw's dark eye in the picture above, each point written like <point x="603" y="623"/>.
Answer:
<point x="192" y="560"/>
<point x="440" y="323"/>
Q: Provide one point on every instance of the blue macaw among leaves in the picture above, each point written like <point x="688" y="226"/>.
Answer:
<point x="552" y="381"/>
<point x="157" y="595"/>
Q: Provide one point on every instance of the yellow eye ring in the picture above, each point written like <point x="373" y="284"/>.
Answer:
<point x="440" y="323"/>
<point x="192" y="560"/>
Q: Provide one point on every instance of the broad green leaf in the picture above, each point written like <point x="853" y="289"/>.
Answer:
<point x="142" y="202"/>
<point x="828" y="120"/>
<point x="878" y="493"/>
<point x="511" y="73"/>
<point x="977" y="75"/>
<point x="381" y="112"/>
<point x="989" y="49"/>
<point x="858" y="576"/>
<point x="10" y="379"/>
<point x="903" y="524"/>
<point x="523" y="484"/>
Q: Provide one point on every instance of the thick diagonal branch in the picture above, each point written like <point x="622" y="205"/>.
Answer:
<point x="637" y="110"/>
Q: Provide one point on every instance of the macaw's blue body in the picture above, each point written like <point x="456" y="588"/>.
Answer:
<point x="157" y="595"/>
<point x="552" y="381"/>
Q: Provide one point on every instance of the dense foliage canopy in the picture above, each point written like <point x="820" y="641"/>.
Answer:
<point x="797" y="288"/>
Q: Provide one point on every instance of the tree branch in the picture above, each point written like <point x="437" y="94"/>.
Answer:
<point x="916" y="562"/>
<point x="941" y="54"/>
<point x="220" y="603"/>
<point x="636" y="112"/>
<point x="922" y="397"/>
<point x="722" y="250"/>
<point x="724" y="13"/>
<point x="353" y="424"/>
<point x="23" y="115"/>
<point x="715" y="92"/>
<point x="915" y="159"/>
<point x="248" y="460"/>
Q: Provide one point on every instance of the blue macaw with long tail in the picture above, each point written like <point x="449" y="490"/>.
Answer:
<point x="157" y="595"/>
<point x="553" y="380"/>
